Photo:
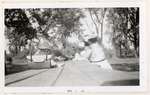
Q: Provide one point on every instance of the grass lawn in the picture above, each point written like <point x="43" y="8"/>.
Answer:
<point x="18" y="65"/>
<point x="16" y="69"/>
<point x="122" y="64"/>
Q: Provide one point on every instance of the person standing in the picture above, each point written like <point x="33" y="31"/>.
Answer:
<point x="97" y="55"/>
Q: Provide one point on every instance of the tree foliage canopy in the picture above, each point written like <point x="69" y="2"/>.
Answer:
<point x="56" y="24"/>
<point x="125" y="23"/>
<point x="61" y="22"/>
<point x="65" y="18"/>
<point x="18" y="29"/>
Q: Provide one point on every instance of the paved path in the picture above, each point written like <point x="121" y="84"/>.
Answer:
<point x="75" y="73"/>
<point x="13" y="78"/>
<point x="45" y="78"/>
<point x="82" y="73"/>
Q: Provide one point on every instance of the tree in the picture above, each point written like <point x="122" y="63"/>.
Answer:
<point x="97" y="15"/>
<point x="17" y="28"/>
<point x="125" y="23"/>
<point x="56" y="24"/>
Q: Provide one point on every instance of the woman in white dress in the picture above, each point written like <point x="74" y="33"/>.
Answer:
<point x="97" y="55"/>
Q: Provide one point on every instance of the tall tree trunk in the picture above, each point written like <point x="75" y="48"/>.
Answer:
<point x="19" y="48"/>
<point x="31" y="57"/>
<point x="102" y="31"/>
<point x="120" y="44"/>
<point x="135" y="45"/>
<point x="102" y="23"/>
<point x="46" y="55"/>
<point x="16" y="49"/>
<point x="96" y="26"/>
<point x="31" y="51"/>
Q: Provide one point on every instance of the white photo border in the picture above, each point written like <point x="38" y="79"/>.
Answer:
<point x="143" y="67"/>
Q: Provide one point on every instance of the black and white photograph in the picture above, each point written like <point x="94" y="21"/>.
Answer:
<point x="70" y="47"/>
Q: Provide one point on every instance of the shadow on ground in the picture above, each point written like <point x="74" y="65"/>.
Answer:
<point x="126" y="67"/>
<point x="133" y="82"/>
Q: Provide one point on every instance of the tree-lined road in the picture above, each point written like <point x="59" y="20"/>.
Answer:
<point x="75" y="73"/>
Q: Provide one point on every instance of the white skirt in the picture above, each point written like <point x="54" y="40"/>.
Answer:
<point x="103" y="64"/>
<point x="97" y="52"/>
